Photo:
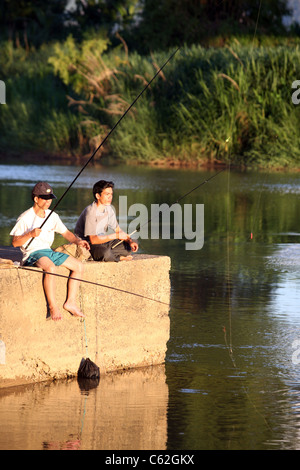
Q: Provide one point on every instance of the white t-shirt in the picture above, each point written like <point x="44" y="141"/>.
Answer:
<point x="28" y="221"/>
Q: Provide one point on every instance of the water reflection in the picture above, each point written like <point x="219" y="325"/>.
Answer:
<point x="126" y="410"/>
<point x="232" y="350"/>
<point x="230" y="381"/>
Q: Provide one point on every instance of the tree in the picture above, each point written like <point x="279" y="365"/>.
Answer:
<point x="108" y="15"/>
<point x="170" y="23"/>
<point x="29" y="22"/>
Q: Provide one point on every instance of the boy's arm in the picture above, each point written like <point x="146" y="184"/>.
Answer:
<point x="99" y="239"/>
<point x="121" y="235"/>
<point x="70" y="237"/>
<point x="19" y="240"/>
<point x="118" y="235"/>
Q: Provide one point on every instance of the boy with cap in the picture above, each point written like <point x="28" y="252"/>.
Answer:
<point x="35" y="243"/>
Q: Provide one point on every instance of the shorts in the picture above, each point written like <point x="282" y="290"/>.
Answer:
<point x="56" y="257"/>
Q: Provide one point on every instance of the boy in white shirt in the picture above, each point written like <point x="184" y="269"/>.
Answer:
<point x="35" y="244"/>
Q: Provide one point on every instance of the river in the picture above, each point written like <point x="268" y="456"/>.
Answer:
<point x="231" y="376"/>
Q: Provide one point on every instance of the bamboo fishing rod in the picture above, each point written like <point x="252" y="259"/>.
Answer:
<point x="179" y="199"/>
<point x="105" y="139"/>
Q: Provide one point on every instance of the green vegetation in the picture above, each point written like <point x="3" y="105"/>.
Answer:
<point x="230" y="104"/>
<point x="226" y="96"/>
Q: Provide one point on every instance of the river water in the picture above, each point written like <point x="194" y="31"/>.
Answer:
<point x="231" y="379"/>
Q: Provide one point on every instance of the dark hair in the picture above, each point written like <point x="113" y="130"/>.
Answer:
<point x="100" y="186"/>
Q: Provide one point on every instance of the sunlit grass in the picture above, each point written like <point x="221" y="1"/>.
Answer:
<point x="230" y="104"/>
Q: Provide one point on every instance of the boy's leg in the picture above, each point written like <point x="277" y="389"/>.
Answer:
<point x="100" y="252"/>
<point x="49" y="286"/>
<point x="106" y="252"/>
<point x="76" y="268"/>
<point x="123" y="251"/>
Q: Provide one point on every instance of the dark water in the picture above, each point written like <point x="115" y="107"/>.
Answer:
<point x="231" y="378"/>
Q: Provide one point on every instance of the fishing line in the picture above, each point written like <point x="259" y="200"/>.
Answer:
<point x="228" y="268"/>
<point x="105" y="139"/>
<point x="229" y="343"/>
<point x="254" y="35"/>
<point x="258" y="201"/>
<point x="228" y="209"/>
<point x="256" y="25"/>
<point x="176" y="202"/>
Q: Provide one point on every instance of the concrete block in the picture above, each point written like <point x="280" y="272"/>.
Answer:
<point x="120" y="331"/>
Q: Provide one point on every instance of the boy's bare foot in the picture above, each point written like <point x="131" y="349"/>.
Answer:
<point x="55" y="313"/>
<point x="73" y="309"/>
<point x="126" y="258"/>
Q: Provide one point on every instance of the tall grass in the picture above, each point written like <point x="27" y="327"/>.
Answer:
<point x="230" y="104"/>
<point x="236" y="105"/>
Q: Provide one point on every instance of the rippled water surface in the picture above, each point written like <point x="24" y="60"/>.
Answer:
<point x="231" y="378"/>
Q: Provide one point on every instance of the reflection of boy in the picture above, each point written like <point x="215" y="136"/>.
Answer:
<point x="94" y="222"/>
<point x="39" y="253"/>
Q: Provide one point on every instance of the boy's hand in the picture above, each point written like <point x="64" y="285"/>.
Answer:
<point x="35" y="232"/>
<point x="84" y="244"/>
<point x="134" y="246"/>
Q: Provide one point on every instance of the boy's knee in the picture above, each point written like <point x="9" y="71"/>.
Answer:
<point x="79" y="267"/>
<point x="51" y="268"/>
<point x="108" y="256"/>
<point x="46" y="265"/>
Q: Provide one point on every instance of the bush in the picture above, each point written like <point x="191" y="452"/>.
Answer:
<point x="230" y="104"/>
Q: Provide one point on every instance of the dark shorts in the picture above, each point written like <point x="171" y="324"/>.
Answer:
<point x="56" y="257"/>
<point x="106" y="252"/>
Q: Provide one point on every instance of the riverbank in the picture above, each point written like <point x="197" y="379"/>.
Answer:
<point x="211" y="106"/>
<point x="63" y="159"/>
<point x="126" y="307"/>
<point x="69" y="159"/>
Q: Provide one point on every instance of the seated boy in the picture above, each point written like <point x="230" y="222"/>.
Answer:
<point x="35" y="243"/>
<point x="93" y="225"/>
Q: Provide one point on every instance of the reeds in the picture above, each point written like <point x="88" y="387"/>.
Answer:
<point x="230" y="104"/>
<point x="238" y="107"/>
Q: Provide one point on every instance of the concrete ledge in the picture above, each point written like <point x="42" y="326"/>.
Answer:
<point x="120" y="331"/>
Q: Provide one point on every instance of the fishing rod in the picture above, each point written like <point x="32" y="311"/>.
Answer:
<point x="179" y="199"/>
<point x="105" y="139"/>
<point x="93" y="283"/>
